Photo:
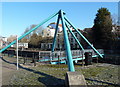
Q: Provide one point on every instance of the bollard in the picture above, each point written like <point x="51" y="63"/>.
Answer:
<point x="33" y="58"/>
<point x="88" y="58"/>
<point x="58" y="60"/>
<point x="97" y="60"/>
<point x="24" y="61"/>
<point x="82" y="52"/>
<point x="34" y="61"/>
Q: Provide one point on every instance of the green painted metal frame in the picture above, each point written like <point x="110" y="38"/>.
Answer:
<point x="75" y="37"/>
<point x="56" y="30"/>
<point x="50" y="17"/>
<point x="61" y="15"/>
<point x="67" y="44"/>
<point x="83" y="36"/>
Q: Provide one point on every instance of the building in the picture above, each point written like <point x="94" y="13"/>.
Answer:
<point x="73" y="43"/>
<point x="3" y="42"/>
<point x="53" y="26"/>
<point x="46" y="46"/>
<point x="60" y="41"/>
<point x="50" y="30"/>
<point x="20" y="45"/>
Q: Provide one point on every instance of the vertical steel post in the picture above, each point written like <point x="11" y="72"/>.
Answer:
<point x="77" y="41"/>
<point x="67" y="44"/>
<point x="56" y="30"/>
<point x="83" y="37"/>
<point x="17" y="52"/>
<point x="74" y="37"/>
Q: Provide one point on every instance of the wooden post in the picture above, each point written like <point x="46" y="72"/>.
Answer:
<point x="24" y="61"/>
<point x="82" y="58"/>
<point x="17" y="52"/>
<point x="34" y="61"/>
<point x="33" y="58"/>
<point x="97" y="59"/>
<point x="25" y="58"/>
<point x="21" y="53"/>
<point x="58" y="60"/>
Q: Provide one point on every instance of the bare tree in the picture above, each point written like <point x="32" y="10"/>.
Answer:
<point x="37" y="31"/>
<point x="11" y="38"/>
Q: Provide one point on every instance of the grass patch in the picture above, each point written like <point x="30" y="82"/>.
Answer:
<point x="93" y="72"/>
<point x="54" y="66"/>
<point x="57" y="66"/>
<point x="48" y="74"/>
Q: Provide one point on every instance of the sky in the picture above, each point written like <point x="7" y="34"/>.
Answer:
<point x="17" y="16"/>
<point x="60" y="0"/>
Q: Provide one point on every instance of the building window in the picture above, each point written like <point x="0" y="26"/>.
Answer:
<point x="42" y="32"/>
<point x="58" y="46"/>
<point x="68" y="34"/>
<point x="58" y="40"/>
<point x="76" y="34"/>
<point x="58" y="35"/>
<point x="75" y="45"/>
<point x="50" y="45"/>
<point x="71" y="39"/>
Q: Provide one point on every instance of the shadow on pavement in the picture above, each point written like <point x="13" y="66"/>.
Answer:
<point x="47" y="80"/>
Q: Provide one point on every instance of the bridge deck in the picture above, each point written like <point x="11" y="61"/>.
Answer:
<point x="63" y="59"/>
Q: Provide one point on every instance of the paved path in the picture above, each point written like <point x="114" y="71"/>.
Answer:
<point x="48" y="74"/>
<point x="0" y="72"/>
<point x="8" y="69"/>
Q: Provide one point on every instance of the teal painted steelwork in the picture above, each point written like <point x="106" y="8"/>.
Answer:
<point x="67" y="44"/>
<point x="63" y="59"/>
<point x="29" y="31"/>
<point x="56" y="30"/>
<point x="74" y="37"/>
<point x="61" y="15"/>
<point x="83" y="37"/>
<point x="7" y="46"/>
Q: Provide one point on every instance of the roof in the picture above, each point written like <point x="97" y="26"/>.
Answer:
<point x="56" y="23"/>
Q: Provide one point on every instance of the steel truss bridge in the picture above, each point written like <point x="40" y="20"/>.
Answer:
<point x="66" y="24"/>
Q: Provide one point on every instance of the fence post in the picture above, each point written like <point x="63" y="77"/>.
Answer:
<point x="34" y="60"/>
<point x="82" y="58"/>
<point x="25" y="59"/>
<point x="58" y="59"/>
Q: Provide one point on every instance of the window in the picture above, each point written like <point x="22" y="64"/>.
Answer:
<point x="42" y="32"/>
<point x="76" y="34"/>
<point x="71" y="39"/>
<point x="58" y="46"/>
<point x="68" y="34"/>
<point x="58" y="35"/>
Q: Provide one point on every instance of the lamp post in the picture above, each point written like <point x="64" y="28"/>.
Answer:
<point x="17" y="51"/>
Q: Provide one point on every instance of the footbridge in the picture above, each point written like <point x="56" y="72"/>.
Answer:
<point x="59" y="57"/>
<point x="66" y="24"/>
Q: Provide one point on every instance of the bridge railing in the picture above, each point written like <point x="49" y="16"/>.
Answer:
<point x="47" y="55"/>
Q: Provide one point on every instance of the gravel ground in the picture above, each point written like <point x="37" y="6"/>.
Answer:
<point x="48" y="75"/>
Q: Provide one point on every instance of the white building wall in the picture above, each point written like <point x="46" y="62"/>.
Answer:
<point x="4" y="39"/>
<point x="1" y="43"/>
<point x="48" y="32"/>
